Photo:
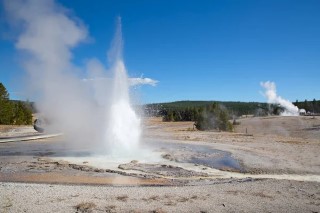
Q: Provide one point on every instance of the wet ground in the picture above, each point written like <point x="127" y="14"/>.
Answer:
<point x="50" y="160"/>
<point x="183" y="153"/>
<point x="200" y="154"/>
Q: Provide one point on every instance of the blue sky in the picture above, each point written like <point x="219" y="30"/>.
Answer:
<point x="198" y="50"/>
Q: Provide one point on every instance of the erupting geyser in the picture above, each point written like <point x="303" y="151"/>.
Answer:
<point x="123" y="125"/>
<point x="123" y="128"/>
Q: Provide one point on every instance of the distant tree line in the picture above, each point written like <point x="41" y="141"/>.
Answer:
<point x="235" y="109"/>
<point x="13" y="112"/>
<point x="310" y="106"/>
<point x="185" y="109"/>
<point x="209" y="117"/>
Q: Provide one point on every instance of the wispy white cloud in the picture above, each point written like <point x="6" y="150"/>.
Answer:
<point x="142" y="81"/>
<point x="132" y="81"/>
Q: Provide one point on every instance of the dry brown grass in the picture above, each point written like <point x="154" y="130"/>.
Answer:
<point x="152" y="198"/>
<point x="123" y="198"/>
<point x="233" y="192"/>
<point x="194" y="197"/>
<point x="261" y="194"/>
<point x="85" y="207"/>
<point x="159" y="210"/>
<point x="291" y="141"/>
<point x="170" y="203"/>
<point x="182" y="199"/>
<point x="111" y="209"/>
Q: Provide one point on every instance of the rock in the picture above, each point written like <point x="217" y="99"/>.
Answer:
<point x="168" y="157"/>
<point x="99" y="170"/>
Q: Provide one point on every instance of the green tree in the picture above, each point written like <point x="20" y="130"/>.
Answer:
<point x="13" y="112"/>
<point x="22" y="115"/>
<point x="213" y="117"/>
<point x="4" y="95"/>
<point x="305" y="105"/>
<point x="6" y="109"/>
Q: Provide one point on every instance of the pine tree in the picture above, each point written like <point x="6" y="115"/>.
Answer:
<point x="13" y="112"/>
<point x="4" y="95"/>
<point x="6" y="110"/>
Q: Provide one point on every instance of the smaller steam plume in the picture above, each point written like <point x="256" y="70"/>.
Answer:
<point x="271" y="94"/>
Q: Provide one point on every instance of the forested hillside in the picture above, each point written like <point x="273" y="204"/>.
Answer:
<point x="310" y="106"/>
<point x="234" y="108"/>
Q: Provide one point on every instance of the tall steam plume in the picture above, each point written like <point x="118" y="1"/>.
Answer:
<point x="272" y="97"/>
<point x="123" y="126"/>
<point x="92" y="115"/>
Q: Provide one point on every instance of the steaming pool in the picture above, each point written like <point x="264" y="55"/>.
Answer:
<point x="161" y="160"/>
<point x="154" y="160"/>
<point x="158" y="162"/>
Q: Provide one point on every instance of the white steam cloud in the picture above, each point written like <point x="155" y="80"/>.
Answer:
<point x="47" y="34"/>
<point x="272" y="97"/>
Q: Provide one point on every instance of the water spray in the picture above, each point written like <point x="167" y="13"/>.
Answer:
<point x="272" y="98"/>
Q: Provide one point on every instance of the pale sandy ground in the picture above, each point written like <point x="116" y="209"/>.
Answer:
<point x="13" y="131"/>
<point x="273" y="145"/>
<point x="256" y="196"/>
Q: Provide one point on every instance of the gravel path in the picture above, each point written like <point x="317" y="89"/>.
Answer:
<point x="253" y="196"/>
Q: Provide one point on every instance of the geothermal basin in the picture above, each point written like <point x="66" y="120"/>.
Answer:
<point x="171" y="154"/>
<point x="274" y="167"/>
